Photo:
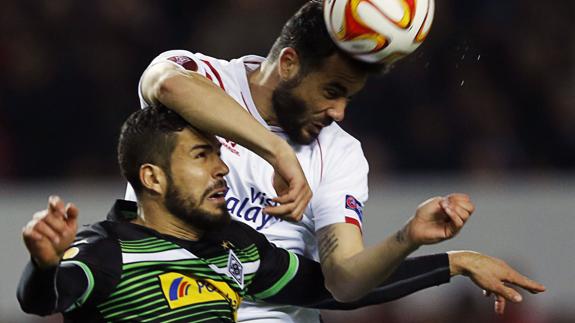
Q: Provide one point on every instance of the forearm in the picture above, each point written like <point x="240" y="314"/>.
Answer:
<point x="411" y="275"/>
<point x="350" y="277"/>
<point x="50" y="290"/>
<point x="37" y="290"/>
<point x="209" y="108"/>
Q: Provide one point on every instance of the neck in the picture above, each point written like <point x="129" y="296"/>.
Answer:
<point x="157" y="217"/>
<point x="262" y="82"/>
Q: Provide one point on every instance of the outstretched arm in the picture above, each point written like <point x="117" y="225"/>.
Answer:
<point x="414" y="274"/>
<point x="350" y="270"/>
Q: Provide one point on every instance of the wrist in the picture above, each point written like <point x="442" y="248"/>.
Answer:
<point x="459" y="262"/>
<point x="404" y="238"/>
<point x="43" y="265"/>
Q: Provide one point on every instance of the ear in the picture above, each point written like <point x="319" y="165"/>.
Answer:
<point x="288" y="63"/>
<point x="153" y="178"/>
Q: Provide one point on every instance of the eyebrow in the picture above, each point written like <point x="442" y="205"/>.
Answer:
<point x="202" y="146"/>
<point x="340" y="87"/>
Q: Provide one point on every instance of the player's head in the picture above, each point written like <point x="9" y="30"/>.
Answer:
<point x="166" y="160"/>
<point x="316" y="78"/>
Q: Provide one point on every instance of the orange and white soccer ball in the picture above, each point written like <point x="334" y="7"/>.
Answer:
<point x="378" y="31"/>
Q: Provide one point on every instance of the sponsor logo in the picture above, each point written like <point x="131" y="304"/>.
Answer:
<point x="249" y="209"/>
<point x="180" y="290"/>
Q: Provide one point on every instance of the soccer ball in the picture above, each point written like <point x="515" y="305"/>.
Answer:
<point x="378" y="31"/>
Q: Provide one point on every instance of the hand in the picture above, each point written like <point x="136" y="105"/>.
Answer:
<point x="492" y="275"/>
<point x="439" y="219"/>
<point x="291" y="186"/>
<point x="50" y="232"/>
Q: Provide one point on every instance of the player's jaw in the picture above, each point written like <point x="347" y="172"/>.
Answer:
<point x="295" y="116"/>
<point x="208" y="212"/>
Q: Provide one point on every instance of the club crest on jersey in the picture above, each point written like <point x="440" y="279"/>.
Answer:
<point x="351" y="203"/>
<point x="235" y="269"/>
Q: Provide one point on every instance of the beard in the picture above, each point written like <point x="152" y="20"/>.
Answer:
<point x="190" y="211"/>
<point x="291" y="112"/>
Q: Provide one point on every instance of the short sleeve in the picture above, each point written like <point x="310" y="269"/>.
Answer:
<point x="184" y="59"/>
<point x="343" y="189"/>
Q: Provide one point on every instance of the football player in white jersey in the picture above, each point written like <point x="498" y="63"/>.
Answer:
<point x="290" y="101"/>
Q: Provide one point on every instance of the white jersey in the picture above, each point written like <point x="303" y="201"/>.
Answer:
<point x="334" y="165"/>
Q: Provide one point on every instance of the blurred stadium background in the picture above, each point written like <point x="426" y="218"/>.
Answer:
<point x="486" y="106"/>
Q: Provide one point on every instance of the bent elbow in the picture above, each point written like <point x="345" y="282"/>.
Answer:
<point x="343" y="287"/>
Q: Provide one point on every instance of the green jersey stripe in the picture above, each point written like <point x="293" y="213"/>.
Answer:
<point x="284" y="280"/>
<point x="137" y="293"/>
<point x="157" y="294"/>
<point x="134" y="286"/>
<point x="90" y="287"/>
<point x="136" y="278"/>
<point x="150" y="250"/>
<point x="146" y="244"/>
<point x="140" y="240"/>
<point x="138" y="308"/>
<point x="195" y="312"/>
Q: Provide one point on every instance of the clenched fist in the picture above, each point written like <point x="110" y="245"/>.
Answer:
<point x="439" y="219"/>
<point x="50" y="232"/>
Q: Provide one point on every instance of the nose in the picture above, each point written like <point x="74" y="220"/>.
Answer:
<point x="221" y="169"/>
<point x="337" y="111"/>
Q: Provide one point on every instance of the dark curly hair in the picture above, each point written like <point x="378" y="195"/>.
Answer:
<point x="306" y="32"/>
<point x="148" y="136"/>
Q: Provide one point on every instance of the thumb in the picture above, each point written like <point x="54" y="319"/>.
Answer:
<point x="72" y="213"/>
<point x="281" y="186"/>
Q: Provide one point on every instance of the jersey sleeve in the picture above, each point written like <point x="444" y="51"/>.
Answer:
<point x="87" y="274"/>
<point x="343" y="190"/>
<point x="183" y="59"/>
<point x="284" y="277"/>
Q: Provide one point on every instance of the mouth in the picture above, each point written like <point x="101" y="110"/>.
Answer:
<point x="218" y="195"/>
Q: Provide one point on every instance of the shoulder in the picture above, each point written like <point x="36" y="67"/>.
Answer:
<point x="242" y="235"/>
<point x="337" y="146"/>
<point x="334" y="138"/>
<point x="96" y="245"/>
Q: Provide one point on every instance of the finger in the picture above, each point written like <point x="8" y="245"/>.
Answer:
<point x="459" y="197"/>
<point x="455" y="220"/>
<point x="462" y="213"/>
<point x="284" y="211"/>
<point x="524" y="282"/>
<point x="508" y="293"/>
<point x="500" y="305"/>
<point x="55" y="222"/>
<point x="40" y="215"/>
<point x="285" y="198"/>
<point x="42" y="228"/>
<point x="28" y="232"/>
<point x="468" y="206"/>
<point x="72" y="213"/>
<point x="56" y="205"/>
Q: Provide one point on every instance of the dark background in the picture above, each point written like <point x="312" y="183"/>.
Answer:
<point x="490" y="92"/>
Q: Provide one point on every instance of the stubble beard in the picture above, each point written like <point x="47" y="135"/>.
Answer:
<point x="291" y="112"/>
<point x="188" y="210"/>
